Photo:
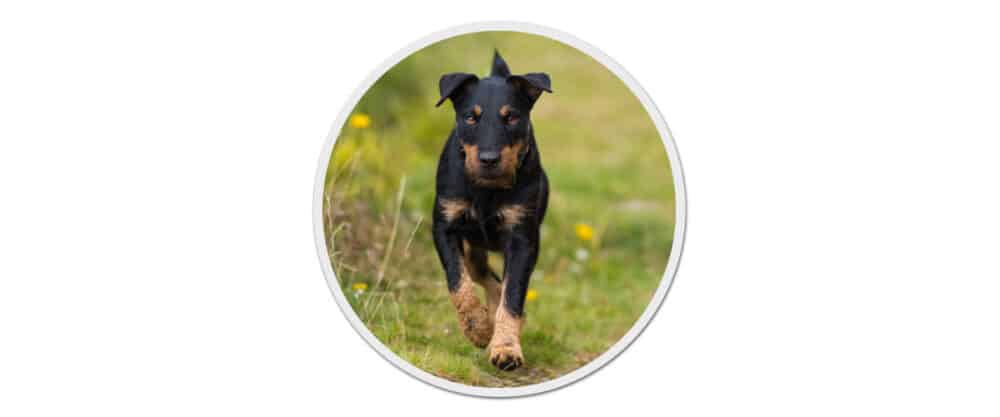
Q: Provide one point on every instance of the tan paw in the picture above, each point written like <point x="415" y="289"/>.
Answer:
<point x="506" y="356"/>
<point x="477" y="326"/>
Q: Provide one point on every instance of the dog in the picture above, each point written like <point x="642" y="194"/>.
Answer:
<point x="491" y="195"/>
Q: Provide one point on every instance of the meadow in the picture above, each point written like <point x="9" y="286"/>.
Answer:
<point x="606" y="237"/>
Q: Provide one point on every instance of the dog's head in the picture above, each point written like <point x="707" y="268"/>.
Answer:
<point x="492" y="117"/>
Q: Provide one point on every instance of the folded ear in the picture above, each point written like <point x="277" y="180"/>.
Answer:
<point x="532" y="84"/>
<point x="454" y="85"/>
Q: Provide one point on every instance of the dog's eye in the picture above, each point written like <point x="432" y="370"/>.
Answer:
<point x="512" y="120"/>
<point x="470" y="120"/>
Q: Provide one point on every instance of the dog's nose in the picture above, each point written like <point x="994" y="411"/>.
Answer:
<point x="489" y="158"/>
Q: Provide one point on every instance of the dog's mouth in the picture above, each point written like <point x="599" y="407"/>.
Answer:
<point x="490" y="173"/>
<point x="491" y="178"/>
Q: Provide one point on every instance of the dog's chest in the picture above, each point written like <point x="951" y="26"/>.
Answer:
<point x="481" y="216"/>
<point x="481" y="224"/>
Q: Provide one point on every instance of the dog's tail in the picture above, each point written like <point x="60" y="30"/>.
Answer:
<point x="500" y="68"/>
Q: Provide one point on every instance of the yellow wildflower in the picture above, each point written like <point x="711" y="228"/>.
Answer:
<point x="359" y="286"/>
<point x="360" y="121"/>
<point x="532" y="295"/>
<point x="584" y="232"/>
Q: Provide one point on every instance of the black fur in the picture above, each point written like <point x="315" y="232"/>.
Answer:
<point x="489" y="131"/>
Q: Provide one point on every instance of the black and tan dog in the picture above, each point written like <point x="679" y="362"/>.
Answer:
<point x="491" y="196"/>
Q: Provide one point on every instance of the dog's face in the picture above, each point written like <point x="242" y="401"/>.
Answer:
<point x="492" y="119"/>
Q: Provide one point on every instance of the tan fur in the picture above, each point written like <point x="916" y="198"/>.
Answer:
<point x="473" y="317"/>
<point x="471" y="159"/>
<point x="509" y="159"/>
<point x="493" y="293"/>
<point x="477" y="110"/>
<point x="453" y="208"/>
<point x="512" y="215"/>
<point x="505" y="346"/>
<point x="485" y="280"/>
<point x="504" y="110"/>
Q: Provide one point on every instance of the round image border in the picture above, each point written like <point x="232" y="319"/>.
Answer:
<point x="672" y="262"/>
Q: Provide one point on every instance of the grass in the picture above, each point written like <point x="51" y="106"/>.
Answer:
<point x="608" y="171"/>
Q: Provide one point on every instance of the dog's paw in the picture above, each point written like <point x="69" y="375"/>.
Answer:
<point x="506" y="356"/>
<point x="477" y="326"/>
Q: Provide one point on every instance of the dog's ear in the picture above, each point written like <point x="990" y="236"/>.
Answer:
<point x="454" y="85"/>
<point x="532" y="84"/>
<point x="500" y="68"/>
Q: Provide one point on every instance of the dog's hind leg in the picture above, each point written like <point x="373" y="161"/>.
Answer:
<point x="481" y="273"/>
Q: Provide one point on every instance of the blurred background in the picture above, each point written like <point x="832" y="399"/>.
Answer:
<point x="606" y="237"/>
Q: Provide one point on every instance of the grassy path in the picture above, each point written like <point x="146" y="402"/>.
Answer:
<point x="605" y="241"/>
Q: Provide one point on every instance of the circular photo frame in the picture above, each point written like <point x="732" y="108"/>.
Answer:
<point x="551" y="272"/>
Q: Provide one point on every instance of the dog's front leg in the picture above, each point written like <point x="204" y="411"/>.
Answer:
<point x="520" y="255"/>
<point x="473" y="317"/>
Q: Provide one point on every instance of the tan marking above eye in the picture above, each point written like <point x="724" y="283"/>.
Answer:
<point x="507" y="115"/>
<point x="472" y="119"/>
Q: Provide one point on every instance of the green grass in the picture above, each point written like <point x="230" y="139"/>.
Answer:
<point x="607" y="169"/>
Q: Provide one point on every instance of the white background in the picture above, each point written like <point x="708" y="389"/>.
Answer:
<point x="157" y="166"/>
